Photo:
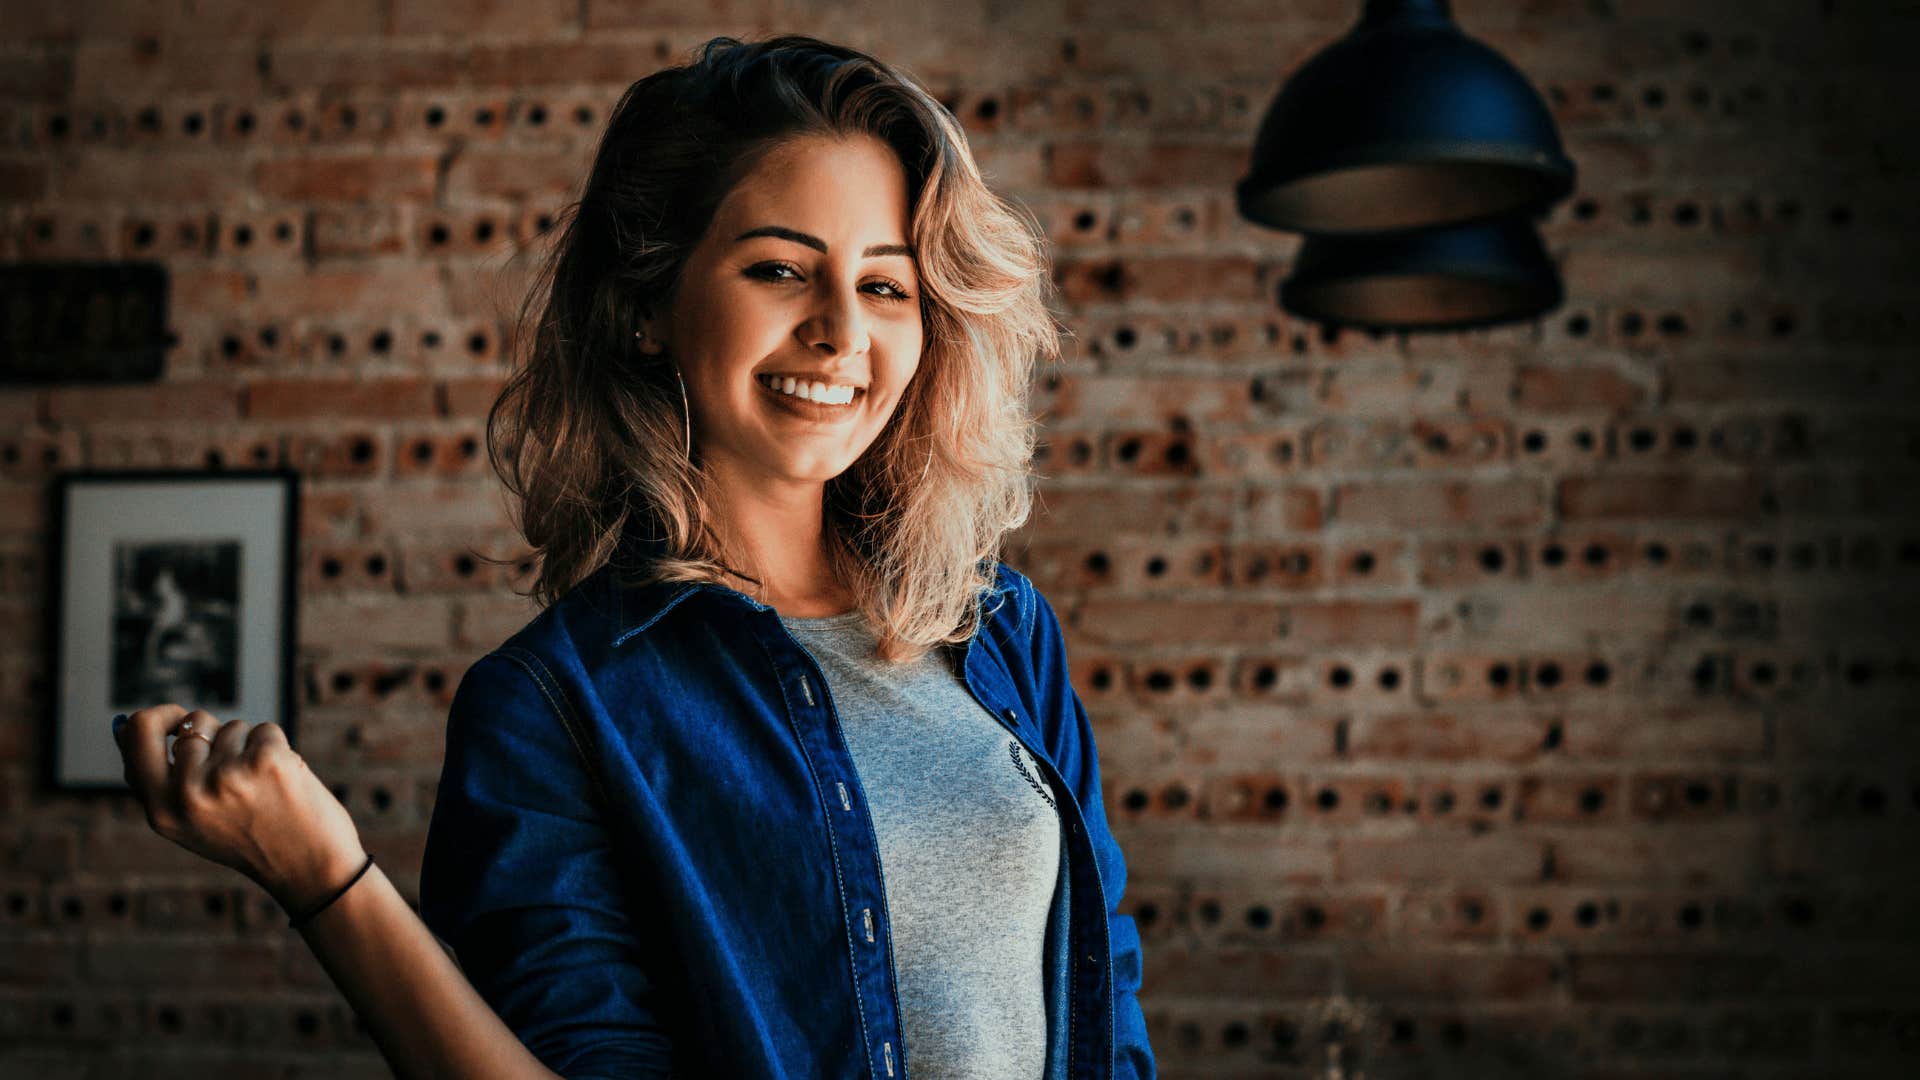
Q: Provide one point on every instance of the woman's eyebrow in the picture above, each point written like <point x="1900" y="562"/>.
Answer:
<point x="817" y="244"/>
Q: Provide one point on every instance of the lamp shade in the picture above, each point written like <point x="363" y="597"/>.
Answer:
<point x="1452" y="277"/>
<point x="1406" y="122"/>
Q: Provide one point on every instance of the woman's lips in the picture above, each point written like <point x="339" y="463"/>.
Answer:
<point x="812" y="410"/>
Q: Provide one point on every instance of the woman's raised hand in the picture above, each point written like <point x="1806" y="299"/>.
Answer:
<point x="242" y="797"/>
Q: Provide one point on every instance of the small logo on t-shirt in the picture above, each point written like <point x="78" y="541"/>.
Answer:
<point x="1020" y="763"/>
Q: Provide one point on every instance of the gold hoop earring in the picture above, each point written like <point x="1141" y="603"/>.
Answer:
<point x="686" y="414"/>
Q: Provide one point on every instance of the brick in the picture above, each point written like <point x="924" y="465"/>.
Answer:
<point x="1181" y="510"/>
<point x="332" y="294"/>
<point x="1842" y="852"/>
<point x="396" y="66"/>
<point x="436" y="509"/>
<point x="1546" y="616"/>
<point x="22" y="407"/>
<point x="1254" y="738"/>
<point x="1717" y="272"/>
<point x="1369" y="390"/>
<point x="1661" y="495"/>
<point x="1351" y="622"/>
<point x="1278" y="511"/>
<point x="1148" y="621"/>
<point x="23" y="181"/>
<point x="23" y="508"/>
<point x="1410" y="975"/>
<point x="1750" y="380"/>
<point x="472" y="396"/>
<point x="107" y="175"/>
<point x="39" y="959"/>
<point x="1643" y="732"/>
<point x="407" y="622"/>
<point x="299" y="399"/>
<point x="132" y="847"/>
<point x="1223" y="852"/>
<point x="1447" y="736"/>
<point x="347" y="178"/>
<point x="490" y="175"/>
<point x="1440" y="854"/>
<point x="1133" y="164"/>
<point x="483" y="18"/>
<point x="208" y="289"/>
<point x="166" y="402"/>
<point x="1170" y="279"/>
<point x="285" y="21"/>
<point x="1423" y="503"/>
<point x="619" y="15"/>
<point x="1716" y="853"/>
<point x="1281" y="973"/>
<point x="47" y="851"/>
<point x="156" y="962"/>
<point x="1538" y="388"/>
<point x="1643" y="976"/>
<point x="561" y="63"/>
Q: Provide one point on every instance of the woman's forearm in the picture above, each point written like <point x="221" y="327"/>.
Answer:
<point x="236" y="792"/>
<point x="424" y="1015"/>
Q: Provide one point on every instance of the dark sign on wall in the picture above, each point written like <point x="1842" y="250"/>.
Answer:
<point x="82" y="322"/>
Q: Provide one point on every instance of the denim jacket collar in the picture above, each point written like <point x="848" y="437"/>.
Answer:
<point x="639" y="606"/>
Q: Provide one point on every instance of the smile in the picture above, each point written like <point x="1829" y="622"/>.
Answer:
<point x="812" y="391"/>
<point x="834" y="403"/>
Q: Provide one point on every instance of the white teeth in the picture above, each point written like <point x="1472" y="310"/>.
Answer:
<point x="811" y="391"/>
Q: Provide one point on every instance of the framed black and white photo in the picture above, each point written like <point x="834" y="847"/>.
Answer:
<point x="168" y="587"/>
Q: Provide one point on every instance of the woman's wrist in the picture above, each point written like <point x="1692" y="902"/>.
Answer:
<point x="297" y="920"/>
<point x="301" y="891"/>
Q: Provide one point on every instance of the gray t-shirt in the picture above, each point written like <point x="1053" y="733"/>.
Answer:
<point x="969" y="852"/>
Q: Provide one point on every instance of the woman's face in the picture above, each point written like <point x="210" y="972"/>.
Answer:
<point x="804" y="274"/>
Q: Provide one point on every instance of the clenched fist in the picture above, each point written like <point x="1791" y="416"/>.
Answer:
<point x="242" y="797"/>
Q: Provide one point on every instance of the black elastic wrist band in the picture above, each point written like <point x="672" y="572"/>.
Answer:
<point x="296" y="923"/>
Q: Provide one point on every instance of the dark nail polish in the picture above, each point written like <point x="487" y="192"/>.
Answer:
<point x="119" y="721"/>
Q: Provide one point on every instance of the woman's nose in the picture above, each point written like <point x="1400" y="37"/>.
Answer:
<point x="838" y="323"/>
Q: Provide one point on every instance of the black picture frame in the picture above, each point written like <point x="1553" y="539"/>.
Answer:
<point x="166" y="586"/>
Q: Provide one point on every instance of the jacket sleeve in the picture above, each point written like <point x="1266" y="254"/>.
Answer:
<point x="1078" y="761"/>
<point x="519" y="881"/>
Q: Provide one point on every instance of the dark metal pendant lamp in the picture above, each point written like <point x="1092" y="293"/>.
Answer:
<point x="1402" y="127"/>
<point x="1450" y="277"/>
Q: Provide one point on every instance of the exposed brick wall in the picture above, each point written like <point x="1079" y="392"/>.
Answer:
<point x="1547" y="691"/>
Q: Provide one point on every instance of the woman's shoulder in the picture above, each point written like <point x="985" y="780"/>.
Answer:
<point x="580" y="623"/>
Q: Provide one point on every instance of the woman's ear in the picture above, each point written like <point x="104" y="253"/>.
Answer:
<point x="649" y="335"/>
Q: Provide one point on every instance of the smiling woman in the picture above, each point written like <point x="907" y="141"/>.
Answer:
<point x="796" y="209"/>
<point x="796" y="345"/>
<point x="771" y="429"/>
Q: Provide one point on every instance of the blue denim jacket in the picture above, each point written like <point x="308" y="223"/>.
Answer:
<point x="651" y="854"/>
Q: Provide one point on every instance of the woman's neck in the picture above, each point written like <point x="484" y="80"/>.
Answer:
<point x="781" y="541"/>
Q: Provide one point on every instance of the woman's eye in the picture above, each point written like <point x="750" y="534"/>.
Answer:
<point x="783" y="272"/>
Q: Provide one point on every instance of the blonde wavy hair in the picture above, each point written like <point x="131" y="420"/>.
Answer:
<point x="587" y="433"/>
